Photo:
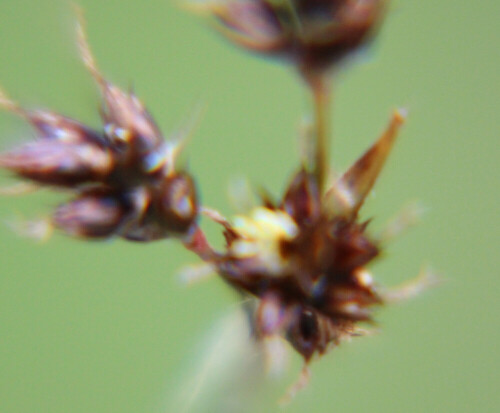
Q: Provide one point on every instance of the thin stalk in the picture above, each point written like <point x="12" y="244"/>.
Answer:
<point x="199" y="245"/>
<point x="322" y="97"/>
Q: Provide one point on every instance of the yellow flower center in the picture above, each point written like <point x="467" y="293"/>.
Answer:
<point x="261" y="234"/>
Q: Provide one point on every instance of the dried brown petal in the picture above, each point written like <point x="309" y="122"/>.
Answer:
<point x="272" y="315"/>
<point x="52" y="125"/>
<point x="56" y="163"/>
<point x="94" y="214"/>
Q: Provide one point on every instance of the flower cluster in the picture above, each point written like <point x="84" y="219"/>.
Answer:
<point x="124" y="178"/>
<point x="303" y="259"/>
<point x="313" y="34"/>
<point x="306" y="256"/>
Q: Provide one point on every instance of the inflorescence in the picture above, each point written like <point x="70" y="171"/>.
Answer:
<point x="304" y="258"/>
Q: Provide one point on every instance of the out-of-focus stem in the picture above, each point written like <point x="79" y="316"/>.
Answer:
<point x="322" y="96"/>
<point x="198" y="244"/>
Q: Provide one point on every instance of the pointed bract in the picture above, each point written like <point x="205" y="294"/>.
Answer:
<point x="349" y="192"/>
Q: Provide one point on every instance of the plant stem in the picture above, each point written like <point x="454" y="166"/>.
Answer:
<point x="322" y="96"/>
<point x="199" y="245"/>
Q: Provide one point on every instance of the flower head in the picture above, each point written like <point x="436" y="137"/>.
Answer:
<point x="306" y="257"/>
<point x="124" y="178"/>
<point x="314" y="34"/>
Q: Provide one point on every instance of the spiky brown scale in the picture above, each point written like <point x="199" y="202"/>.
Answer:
<point x="95" y="213"/>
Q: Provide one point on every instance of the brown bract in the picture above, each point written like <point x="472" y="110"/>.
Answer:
<point x="314" y="34"/>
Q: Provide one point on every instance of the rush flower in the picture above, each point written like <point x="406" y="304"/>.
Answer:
<point x="306" y="258"/>
<point x="124" y="178"/>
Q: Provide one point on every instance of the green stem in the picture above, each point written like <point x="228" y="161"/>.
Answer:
<point x="322" y="96"/>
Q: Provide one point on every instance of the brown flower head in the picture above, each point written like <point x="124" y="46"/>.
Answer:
<point x="124" y="178"/>
<point x="314" y="34"/>
<point x="306" y="257"/>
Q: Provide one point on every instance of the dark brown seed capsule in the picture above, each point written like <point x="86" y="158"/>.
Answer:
<point x="304" y="332"/>
<point x="178" y="205"/>
<point x="332" y="29"/>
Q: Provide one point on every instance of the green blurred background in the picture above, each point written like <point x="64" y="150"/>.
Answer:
<point x="106" y="327"/>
